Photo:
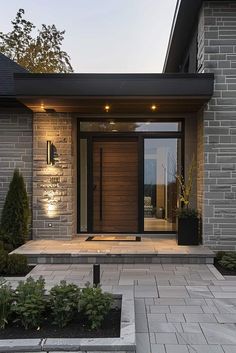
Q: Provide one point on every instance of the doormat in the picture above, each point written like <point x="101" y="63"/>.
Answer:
<point x="114" y="238"/>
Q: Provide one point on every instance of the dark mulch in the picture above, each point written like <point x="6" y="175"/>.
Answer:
<point x="76" y="329"/>
<point x="30" y="268"/>
<point x="224" y="271"/>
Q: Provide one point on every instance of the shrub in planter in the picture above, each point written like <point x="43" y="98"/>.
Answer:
<point x="95" y="305"/>
<point x="30" y="302"/>
<point x="6" y="298"/>
<point x="16" y="264"/>
<point x="63" y="300"/>
<point x="187" y="218"/>
<point x="228" y="260"/>
<point x="15" y="213"/>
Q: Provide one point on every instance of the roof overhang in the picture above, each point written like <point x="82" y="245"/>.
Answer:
<point x="183" y="25"/>
<point x="126" y="93"/>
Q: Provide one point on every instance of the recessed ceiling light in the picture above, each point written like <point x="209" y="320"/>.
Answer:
<point x="153" y="107"/>
<point x="112" y="122"/>
<point x="107" y="108"/>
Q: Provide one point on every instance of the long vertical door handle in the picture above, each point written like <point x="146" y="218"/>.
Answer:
<point x="101" y="176"/>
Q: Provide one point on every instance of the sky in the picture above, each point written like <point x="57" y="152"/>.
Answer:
<point x="103" y="35"/>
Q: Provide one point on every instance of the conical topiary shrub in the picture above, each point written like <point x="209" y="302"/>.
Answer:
<point x="15" y="214"/>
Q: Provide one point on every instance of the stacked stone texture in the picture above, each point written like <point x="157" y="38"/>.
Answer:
<point x="53" y="185"/>
<point x="15" y="150"/>
<point x="217" y="54"/>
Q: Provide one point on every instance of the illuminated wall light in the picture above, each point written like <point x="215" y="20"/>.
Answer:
<point x="107" y="108"/>
<point x="51" y="210"/>
<point x="49" y="152"/>
<point x="112" y="122"/>
<point x="153" y="107"/>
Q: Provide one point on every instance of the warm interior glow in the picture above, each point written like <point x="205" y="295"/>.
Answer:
<point x="112" y="122"/>
<point x="153" y="107"/>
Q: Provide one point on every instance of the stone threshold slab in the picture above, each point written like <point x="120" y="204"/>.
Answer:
<point x="125" y="343"/>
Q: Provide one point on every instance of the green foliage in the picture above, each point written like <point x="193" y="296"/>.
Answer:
<point x="3" y="261"/>
<point x="40" y="54"/>
<point x="15" y="214"/>
<point x="6" y="298"/>
<point x="30" y="302"/>
<point x="228" y="260"/>
<point x="95" y="305"/>
<point x="219" y="255"/>
<point x="63" y="299"/>
<point x="186" y="184"/>
<point x="16" y="264"/>
<point x="187" y="213"/>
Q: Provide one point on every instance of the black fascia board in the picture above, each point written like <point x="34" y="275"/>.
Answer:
<point x="113" y="85"/>
<point x="183" y="24"/>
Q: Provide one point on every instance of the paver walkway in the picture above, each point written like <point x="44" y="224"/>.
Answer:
<point x="179" y="308"/>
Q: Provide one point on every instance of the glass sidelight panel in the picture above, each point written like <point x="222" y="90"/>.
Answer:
<point x="83" y="185"/>
<point x="162" y="159"/>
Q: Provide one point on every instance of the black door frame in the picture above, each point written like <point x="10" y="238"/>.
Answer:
<point x="140" y="136"/>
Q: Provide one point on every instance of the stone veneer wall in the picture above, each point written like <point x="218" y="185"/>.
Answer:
<point x="15" y="150"/>
<point x="217" y="54"/>
<point x="54" y="194"/>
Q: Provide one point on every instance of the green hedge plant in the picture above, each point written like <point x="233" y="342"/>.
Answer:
<point x="63" y="300"/>
<point x="15" y="213"/>
<point x="16" y="264"/>
<point x="6" y="299"/>
<point x="95" y="305"/>
<point x="30" y="303"/>
<point x="228" y="260"/>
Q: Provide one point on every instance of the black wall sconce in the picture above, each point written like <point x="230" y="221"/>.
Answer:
<point x="51" y="153"/>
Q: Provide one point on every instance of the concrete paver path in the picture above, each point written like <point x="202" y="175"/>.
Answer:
<point x="179" y="308"/>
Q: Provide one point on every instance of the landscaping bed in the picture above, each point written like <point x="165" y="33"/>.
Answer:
<point x="225" y="262"/>
<point x="77" y="328"/>
<point x="18" y="274"/>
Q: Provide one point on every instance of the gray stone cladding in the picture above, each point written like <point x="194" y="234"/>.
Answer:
<point x="217" y="54"/>
<point x="53" y="185"/>
<point x="15" y="150"/>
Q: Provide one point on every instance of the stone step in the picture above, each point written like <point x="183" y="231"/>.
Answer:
<point x="71" y="258"/>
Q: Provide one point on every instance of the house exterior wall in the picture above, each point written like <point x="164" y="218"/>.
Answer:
<point x="16" y="138"/>
<point x="54" y="211"/>
<point x="217" y="54"/>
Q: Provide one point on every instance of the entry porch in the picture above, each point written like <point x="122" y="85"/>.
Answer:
<point x="158" y="249"/>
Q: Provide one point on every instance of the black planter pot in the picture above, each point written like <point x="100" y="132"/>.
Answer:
<point x="188" y="231"/>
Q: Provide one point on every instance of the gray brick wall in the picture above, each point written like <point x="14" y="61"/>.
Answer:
<point x="54" y="212"/>
<point x="217" y="54"/>
<point x="15" y="150"/>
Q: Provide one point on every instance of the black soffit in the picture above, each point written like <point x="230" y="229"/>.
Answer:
<point x="130" y="93"/>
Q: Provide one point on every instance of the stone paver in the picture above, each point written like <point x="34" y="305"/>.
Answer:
<point x="179" y="308"/>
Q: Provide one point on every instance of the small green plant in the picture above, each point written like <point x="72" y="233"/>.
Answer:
<point x="219" y="255"/>
<point x="63" y="300"/>
<point x="3" y="261"/>
<point x="16" y="264"/>
<point x="30" y="302"/>
<point x="228" y="260"/>
<point x="6" y="298"/>
<point x="186" y="185"/>
<point x="95" y="305"/>
<point x="187" y="213"/>
<point x="15" y="213"/>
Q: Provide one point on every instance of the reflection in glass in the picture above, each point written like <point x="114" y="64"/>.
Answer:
<point x="161" y="162"/>
<point x="128" y="126"/>
<point x="83" y="185"/>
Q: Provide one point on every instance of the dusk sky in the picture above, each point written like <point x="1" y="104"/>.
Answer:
<point x="104" y="35"/>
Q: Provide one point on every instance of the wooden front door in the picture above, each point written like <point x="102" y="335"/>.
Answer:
<point x="115" y="186"/>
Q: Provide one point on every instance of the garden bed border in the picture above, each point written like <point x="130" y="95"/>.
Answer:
<point x="125" y="343"/>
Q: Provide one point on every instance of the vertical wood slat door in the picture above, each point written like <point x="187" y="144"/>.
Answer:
<point x="115" y="186"/>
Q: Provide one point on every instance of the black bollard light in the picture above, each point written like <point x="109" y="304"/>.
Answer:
<point x="96" y="275"/>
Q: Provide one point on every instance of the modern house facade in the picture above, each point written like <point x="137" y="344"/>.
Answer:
<point x="99" y="152"/>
